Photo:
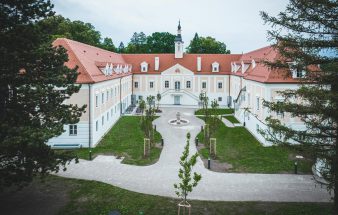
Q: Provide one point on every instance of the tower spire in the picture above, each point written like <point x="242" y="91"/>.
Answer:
<point x="179" y="42"/>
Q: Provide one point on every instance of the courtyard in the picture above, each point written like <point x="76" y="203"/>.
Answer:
<point x="158" y="178"/>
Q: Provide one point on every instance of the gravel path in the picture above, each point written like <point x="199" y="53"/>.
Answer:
<point x="158" y="179"/>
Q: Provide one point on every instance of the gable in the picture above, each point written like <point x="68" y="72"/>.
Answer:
<point x="177" y="69"/>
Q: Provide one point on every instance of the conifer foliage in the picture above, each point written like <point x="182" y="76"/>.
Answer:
<point x="305" y="34"/>
<point x="34" y="83"/>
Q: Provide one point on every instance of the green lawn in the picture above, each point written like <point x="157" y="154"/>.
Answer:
<point x="232" y="119"/>
<point x="238" y="147"/>
<point x="95" y="198"/>
<point x="219" y="111"/>
<point x="125" y="139"/>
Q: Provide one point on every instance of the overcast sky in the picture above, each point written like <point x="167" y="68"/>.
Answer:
<point x="237" y="23"/>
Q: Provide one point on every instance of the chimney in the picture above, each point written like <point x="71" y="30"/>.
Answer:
<point x="157" y="63"/>
<point x="199" y="64"/>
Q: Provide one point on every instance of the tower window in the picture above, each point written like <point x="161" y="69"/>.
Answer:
<point x="166" y="84"/>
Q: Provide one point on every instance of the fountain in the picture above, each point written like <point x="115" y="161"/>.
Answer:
<point x="178" y="120"/>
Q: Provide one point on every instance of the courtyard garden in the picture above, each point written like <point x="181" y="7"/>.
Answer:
<point x="231" y="119"/>
<point x="71" y="196"/>
<point x="218" y="111"/>
<point x="125" y="139"/>
<point x="239" y="149"/>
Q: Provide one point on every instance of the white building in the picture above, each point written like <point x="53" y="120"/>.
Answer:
<point x="111" y="82"/>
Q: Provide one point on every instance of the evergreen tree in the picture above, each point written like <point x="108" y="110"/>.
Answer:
<point x="194" y="46"/>
<point x="121" y="48"/>
<point x="305" y="35"/>
<point x="34" y="83"/>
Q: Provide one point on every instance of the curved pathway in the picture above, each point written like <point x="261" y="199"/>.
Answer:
<point x="158" y="179"/>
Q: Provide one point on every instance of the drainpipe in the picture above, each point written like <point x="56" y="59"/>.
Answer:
<point x="90" y="117"/>
<point x="121" y="96"/>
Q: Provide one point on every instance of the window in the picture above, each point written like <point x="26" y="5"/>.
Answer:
<point x="248" y="98"/>
<point x="151" y="84"/>
<point x="102" y="120"/>
<point x="188" y="84"/>
<point x="215" y="67"/>
<point x="219" y="99"/>
<point x="102" y="98"/>
<point x="166" y="84"/>
<point x="72" y="130"/>
<point x="107" y="116"/>
<point x="204" y="85"/>
<point x="115" y="91"/>
<point x="257" y="103"/>
<point x="111" y="92"/>
<point x="96" y="100"/>
<point x="97" y="125"/>
<point x="144" y="67"/>
<point x="136" y="84"/>
<point x="220" y="85"/>
<point x="257" y="127"/>
<point x="107" y="95"/>
<point x="140" y="97"/>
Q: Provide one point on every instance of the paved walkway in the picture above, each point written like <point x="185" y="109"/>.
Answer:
<point x="158" y="179"/>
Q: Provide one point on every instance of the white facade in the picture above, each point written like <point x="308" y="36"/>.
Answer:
<point x="106" y="101"/>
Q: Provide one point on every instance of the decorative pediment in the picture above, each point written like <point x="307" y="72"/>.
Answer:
<point x="177" y="70"/>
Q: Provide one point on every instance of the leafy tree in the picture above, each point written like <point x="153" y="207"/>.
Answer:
<point x="34" y="83"/>
<point x="121" y="48"/>
<point x="158" y="98"/>
<point x="147" y="120"/>
<point x="305" y="34"/>
<point x="206" y="45"/>
<point x="108" y="44"/>
<point x="161" y="42"/>
<point x="58" y="26"/>
<point x="214" y="117"/>
<point x="187" y="182"/>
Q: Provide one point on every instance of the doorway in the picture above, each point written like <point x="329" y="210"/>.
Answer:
<point x="177" y="100"/>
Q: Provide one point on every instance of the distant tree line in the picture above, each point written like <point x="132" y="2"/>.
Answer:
<point x="157" y="42"/>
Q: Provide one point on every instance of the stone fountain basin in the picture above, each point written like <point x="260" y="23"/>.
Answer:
<point x="178" y="122"/>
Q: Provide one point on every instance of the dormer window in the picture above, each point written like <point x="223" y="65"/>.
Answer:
<point x="296" y="70"/>
<point x="253" y="63"/>
<point x="215" y="67"/>
<point x="144" y="67"/>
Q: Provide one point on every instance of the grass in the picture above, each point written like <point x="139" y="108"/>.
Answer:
<point x="219" y="111"/>
<point x="125" y="139"/>
<point x="232" y="119"/>
<point x="239" y="148"/>
<point x="96" y="198"/>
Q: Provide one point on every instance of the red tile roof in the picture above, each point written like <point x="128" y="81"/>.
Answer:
<point x="91" y="59"/>
<point x="86" y="57"/>
<point x="188" y="61"/>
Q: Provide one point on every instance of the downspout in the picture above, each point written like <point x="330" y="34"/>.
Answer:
<point x="121" y="96"/>
<point x="90" y="117"/>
